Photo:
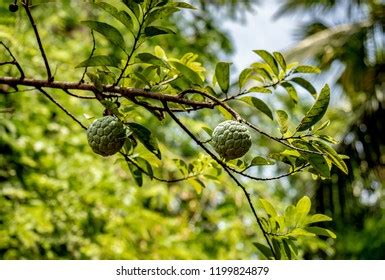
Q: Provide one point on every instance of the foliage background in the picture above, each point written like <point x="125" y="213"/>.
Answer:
<point x="59" y="200"/>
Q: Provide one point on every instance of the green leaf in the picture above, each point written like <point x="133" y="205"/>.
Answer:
<point x="317" y="111"/>
<point x="321" y="231"/>
<point x="305" y="84"/>
<point x="244" y="77"/>
<point x="303" y="206"/>
<point x="122" y="16"/>
<point x="134" y="8"/>
<point x="323" y="126"/>
<point x="152" y="31"/>
<point x="291" y="91"/>
<point x="277" y="248"/>
<point x="290" y="215"/>
<point x="224" y="113"/>
<point x="182" y="166"/>
<point x="293" y="246"/>
<point x="287" y="249"/>
<point x="152" y="59"/>
<point x="328" y="138"/>
<point x="162" y="3"/>
<point x="281" y="60"/>
<point x="146" y="138"/>
<point x="222" y="74"/>
<point x="197" y="184"/>
<point x="264" y="250"/>
<point x="307" y="69"/>
<point x="263" y="73"/>
<point x="317" y="218"/>
<point x="318" y="162"/>
<point x="269" y="59"/>
<point x="142" y="78"/>
<point x="183" y="5"/>
<point x="300" y="232"/>
<point x="283" y="120"/>
<point x="269" y="208"/>
<point x="258" y="104"/>
<point x="109" y="32"/>
<point x="100" y="60"/>
<point x="331" y="154"/>
<point x="162" y="13"/>
<point x="136" y="173"/>
<point x="96" y="81"/>
<point x="258" y="160"/>
<point x="259" y="89"/>
<point x="188" y="73"/>
<point x="146" y="166"/>
<point x="208" y="130"/>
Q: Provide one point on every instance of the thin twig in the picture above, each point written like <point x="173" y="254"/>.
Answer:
<point x="244" y="92"/>
<point x="6" y="63"/>
<point x="169" y="181"/>
<point x="216" y="101"/>
<point x="20" y="91"/>
<point x="227" y="170"/>
<point x="78" y="96"/>
<point x="25" y="4"/>
<point x="14" y="61"/>
<point x="269" y="178"/>
<point x="61" y="107"/>
<point x="279" y="140"/>
<point x="91" y="54"/>
<point x="135" y="45"/>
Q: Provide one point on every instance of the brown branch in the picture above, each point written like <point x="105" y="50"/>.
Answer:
<point x="244" y="92"/>
<point x="6" y="63"/>
<point x="269" y="178"/>
<point x="78" y="96"/>
<point x="280" y="140"/>
<point x="122" y="91"/>
<point x="61" y="107"/>
<point x="216" y="101"/>
<point x="135" y="45"/>
<point x="14" y="61"/>
<point x="26" y="6"/>
<point x="168" y="181"/>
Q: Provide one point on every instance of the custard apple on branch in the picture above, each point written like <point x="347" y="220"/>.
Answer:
<point x="106" y="135"/>
<point x="231" y="140"/>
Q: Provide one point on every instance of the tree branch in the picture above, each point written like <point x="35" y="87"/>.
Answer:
<point x="122" y="91"/>
<point x="168" y="181"/>
<point x="14" y="61"/>
<point x="78" y="96"/>
<point x="135" y="45"/>
<point x="61" y="107"/>
<point x="269" y="178"/>
<point x="25" y="4"/>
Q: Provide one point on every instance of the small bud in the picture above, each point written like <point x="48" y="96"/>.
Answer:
<point x="13" y="7"/>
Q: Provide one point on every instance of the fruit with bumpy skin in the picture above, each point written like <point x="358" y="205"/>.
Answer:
<point x="106" y="135"/>
<point x="231" y="140"/>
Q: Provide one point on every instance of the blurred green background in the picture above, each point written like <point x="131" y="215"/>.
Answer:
<point x="58" y="200"/>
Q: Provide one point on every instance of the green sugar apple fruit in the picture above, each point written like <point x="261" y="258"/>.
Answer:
<point x="231" y="139"/>
<point x="106" y="135"/>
